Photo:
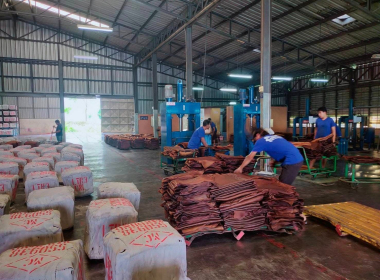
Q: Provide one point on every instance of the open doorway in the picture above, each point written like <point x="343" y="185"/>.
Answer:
<point x="83" y="118"/>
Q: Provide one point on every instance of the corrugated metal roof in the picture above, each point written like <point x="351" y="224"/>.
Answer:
<point x="321" y="37"/>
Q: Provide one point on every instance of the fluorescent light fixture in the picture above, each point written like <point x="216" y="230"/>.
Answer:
<point x="232" y="103"/>
<point x="256" y="50"/>
<point x="198" y="88"/>
<point x="319" y="80"/>
<point x="229" y="89"/>
<point x="240" y="76"/>
<point x="282" y="78"/>
<point x="63" y="13"/>
<point x="95" y="28"/>
<point x="86" y="57"/>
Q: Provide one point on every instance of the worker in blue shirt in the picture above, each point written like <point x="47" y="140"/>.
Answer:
<point x="324" y="127"/>
<point x="214" y="131"/>
<point x="280" y="150"/>
<point x="198" y="136"/>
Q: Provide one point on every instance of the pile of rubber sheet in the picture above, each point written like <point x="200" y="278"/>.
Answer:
<point x="204" y="165"/>
<point x="188" y="205"/>
<point x="218" y="203"/>
<point x="127" y="141"/>
<point x="362" y="159"/>
<point x="317" y="148"/>
<point x="179" y="152"/>
<point x="151" y="143"/>
<point x="219" y="164"/>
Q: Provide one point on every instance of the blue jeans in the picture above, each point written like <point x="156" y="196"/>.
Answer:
<point x="59" y="138"/>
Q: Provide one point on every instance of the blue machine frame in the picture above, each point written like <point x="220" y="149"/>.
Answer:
<point x="241" y="112"/>
<point x="301" y="120"/>
<point x="167" y="109"/>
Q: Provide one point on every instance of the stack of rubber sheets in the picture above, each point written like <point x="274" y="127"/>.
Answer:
<point x="178" y="152"/>
<point x="188" y="205"/>
<point x="362" y="159"/>
<point x="151" y="143"/>
<point x="204" y="165"/>
<point x="284" y="207"/>
<point x="234" y="162"/>
<point x="239" y="201"/>
<point x="137" y="143"/>
<point x="317" y="148"/>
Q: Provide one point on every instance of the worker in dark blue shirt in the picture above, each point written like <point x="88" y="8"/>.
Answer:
<point x="280" y="150"/>
<point x="58" y="131"/>
<point x="324" y="127"/>
<point x="198" y="136"/>
<point x="214" y="131"/>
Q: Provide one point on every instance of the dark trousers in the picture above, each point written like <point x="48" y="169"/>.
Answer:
<point x="290" y="172"/>
<point x="59" y="138"/>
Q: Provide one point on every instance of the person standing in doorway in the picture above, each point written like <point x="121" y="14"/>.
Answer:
<point x="324" y="127"/>
<point x="214" y="136"/>
<point x="58" y="131"/>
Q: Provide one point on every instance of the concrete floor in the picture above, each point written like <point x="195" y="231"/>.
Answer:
<point x="315" y="253"/>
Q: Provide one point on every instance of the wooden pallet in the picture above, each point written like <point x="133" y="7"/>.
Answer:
<point x="351" y="218"/>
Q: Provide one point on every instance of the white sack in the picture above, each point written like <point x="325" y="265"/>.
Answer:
<point x="49" y="160"/>
<point x="35" y="167"/>
<point x="45" y="145"/>
<point x="6" y="153"/>
<point x="48" y="150"/>
<point x="8" y="185"/>
<point x="59" y="148"/>
<point x="125" y="190"/>
<point x="63" y="165"/>
<point x="30" y="156"/>
<point x="65" y="143"/>
<point x="80" y="178"/>
<point x="6" y="147"/>
<point x="61" y="199"/>
<point x="66" y="156"/>
<point x="9" y="168"/>
<point x="56" y="156"/>
<point x="38" y="149"/>
<point x="29" y="229"/>
<point x="39" y="181"/>
<point x="5" y="203"/>
<point x="146" y="250"/>
<point x="76" y="146"/>
<point x="102" y="216"/>
<point x="25" y="151"/>
<point x="58" y="261"/>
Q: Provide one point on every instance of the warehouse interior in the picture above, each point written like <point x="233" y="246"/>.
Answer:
<point x="126" y="69"/>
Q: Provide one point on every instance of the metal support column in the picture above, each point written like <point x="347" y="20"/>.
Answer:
<point x="189" y="56"/>
<point x="266" y="63"/>
<point x="155" y="95"/>
<point x="61" y="99"/>
<point x="135" y="96"/>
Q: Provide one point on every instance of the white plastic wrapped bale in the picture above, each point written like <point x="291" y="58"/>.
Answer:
<point x="45" y="145"/>
<point x="20" y="161"/>
<point x="11" y="168"/>
<point x="76" y="151"/>
<point x="5" y="203"/>
<point x="61" y="199"/>
<point x="36" y="167"/>
<point x="63" y="165"/>
<point x="38" y="149"/>
<point x="30" y="156"/>
<point x="146" y="250"/>
<point x="61" y="260"/>
<point x="49" y="160"/>
<point x="55" y="156"/>
<point x="125" y="190"/>
<point x="48" y="150"/>
<point x="80" y="178"/>
<point x="66" y="156"/>
<point x="25" y="151"/>
<point x="6" y="153"/>
<point x="39" y="181"/>
<point x="65" y="143"/>
<point x="59" y="148"/>
<point x="29" y="229"/>
<point x="42" y="140"/>
<point x="6" y="147"/>
<point x="8" y="185"/>
<point x="22" y="147"/>
<point x="102" y="216"/>
<point x="76" y="146"/>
